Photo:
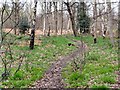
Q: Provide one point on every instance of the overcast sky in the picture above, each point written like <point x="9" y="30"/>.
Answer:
<point x="58" y="0"/>
<point x="39" y="8"/>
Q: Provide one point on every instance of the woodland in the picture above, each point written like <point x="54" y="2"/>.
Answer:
<point x="60" y="44"/>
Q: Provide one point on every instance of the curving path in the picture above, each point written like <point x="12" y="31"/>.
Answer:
<point x="53" y="78"/>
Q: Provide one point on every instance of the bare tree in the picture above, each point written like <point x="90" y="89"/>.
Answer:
<point x="61" y="17"/>
<point x="95" y="21"/>
<point x="119" y="22"/>
<point x="3" y="21"/>
<point x="6" y="54"/>
<point x="55" y="17"/>
<point x="110" y="29"/>
<point x="44" y="16"/>
<point x="33" y="26"/>
<point x="72" y="17"/>
<point x="102" y="20"/>
<point x="119" y="33"/>
<point x="16" y="14"/>
<point x="49" y="5"/>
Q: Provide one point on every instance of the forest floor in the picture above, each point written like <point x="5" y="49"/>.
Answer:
<point x="51" y="63"/>
<point x="53" y="77"/>
<point x="101" y="69"/>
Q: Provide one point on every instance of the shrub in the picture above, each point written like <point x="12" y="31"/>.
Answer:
<point x="23" y="25"/>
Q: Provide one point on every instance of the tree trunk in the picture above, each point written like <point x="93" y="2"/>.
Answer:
<point x="61" y="17"/>
<point x="16" y="15"/>
<point x="49" y="17"/>
<point x="71" y="18"/>
<point x="55" y="17"/>
<point x="44" y="19"/>
<point x="95" y="21"/>
<point x="110" y="23"/>
<point x="68" y="23"/>
<point x="119" y="33"/>
<point x="33" y="27"/>
<point x="1" y="24"/>
<point x="119" y="22"/>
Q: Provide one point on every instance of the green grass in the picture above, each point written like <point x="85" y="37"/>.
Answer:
<point x="100" y="67"/>
<point x="101" y="87"/>
<point x="37" y="61"/>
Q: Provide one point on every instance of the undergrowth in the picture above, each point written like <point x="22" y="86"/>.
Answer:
<point x="99" y="70"/>
<point x="36" y="61"/>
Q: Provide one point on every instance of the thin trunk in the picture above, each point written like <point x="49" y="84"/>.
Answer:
<point x="33" y="27"/>
<point x="101" y="21"/>
<point x="61" y="17"/>
<point x="72" y="18"/>
<point x="119" y="36"/>
<point x="104" y="24"/>
<point x="110" y="23"/>
<point x="15" y="16"/>
<point x="55" y="17"/>
<point x="49" y="17"/>
<point x="119" y="22"/>
<point x="68" y="23"/>
<point x="44" y="21"/>
<point x="1" y="24"/>
<point x="95" y="21"/>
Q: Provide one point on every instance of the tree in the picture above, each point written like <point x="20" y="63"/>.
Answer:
<point x="55" y="17"/>
<point x="44" y="16"/>
<point x="119" y="31"/>
<point x="49" y="4"/>
<point x="95" y="21"/>
<point x="110" y="22"/>
<point x="82" y="18"/>
<point x="16" y="14"/>
<point x="6" y="54"/>
<point x="61" y="17"/>
<point x="24" y="25"/>
<point x="72" y="18"/>
<point x="33" y="26"/>
<point x="3" y="20"/>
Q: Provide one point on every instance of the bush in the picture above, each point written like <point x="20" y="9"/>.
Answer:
<point x="23" y="25"/>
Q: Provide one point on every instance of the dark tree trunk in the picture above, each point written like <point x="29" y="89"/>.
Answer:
<point x="95" y="21"/>
<point x="119" y="21"/>
<point x="48" y="32"/>
<point x="55" y="17"/>
<point x="119" y="31"/>
<point x="62" y="18"/>
<point x="49" y="5"/>
<point x="33" y="27"/>
<point x="15" y="16"/>
<point x="71" y="18"/>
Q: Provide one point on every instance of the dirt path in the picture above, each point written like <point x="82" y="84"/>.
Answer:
<point x="53" y="78"/>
